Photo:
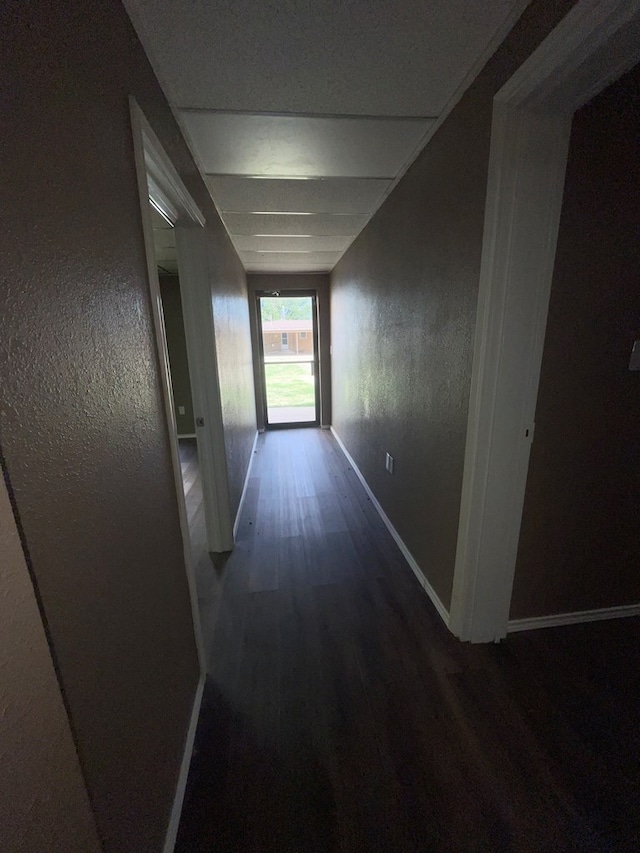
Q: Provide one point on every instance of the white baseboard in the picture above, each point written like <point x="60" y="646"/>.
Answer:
<point x="533" y="622"/>
<point x="245" y="486"/>
<point x="424" y="583"/>
<point x="187" y="435"/>
<point x="176" y="809"/>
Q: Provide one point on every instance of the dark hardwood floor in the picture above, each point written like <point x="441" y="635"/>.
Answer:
<point x="341" y="715"/>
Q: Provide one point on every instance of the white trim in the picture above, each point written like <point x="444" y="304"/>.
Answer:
<point x="176" y="809"/>
<point x="141" y="132"/>
<point x="166" y="188"/>
<point x="594" y="44"/>
<point x="534" y="622"/>
<point x="197" y="309"/>
<point x="187" y="435"/>
<point x="406" y="553"/>
<point x="527" y="161"/>
<point x="236" y="523"/>
<point x="529" y="144"/>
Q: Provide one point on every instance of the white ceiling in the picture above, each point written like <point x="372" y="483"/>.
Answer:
<point x="300" y="146"/>
<point x="303" y="114"/>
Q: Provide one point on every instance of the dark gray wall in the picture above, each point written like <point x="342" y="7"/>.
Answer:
<point x="82" y="423"/>
<point x="319" y="283"/>
<point x="177" y="348"/>
<point x="580" y="544"/>
<point x="233" y="346"/>
<point x="403" y="310"/>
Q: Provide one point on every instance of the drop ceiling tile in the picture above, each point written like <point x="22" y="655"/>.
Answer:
<point x="266" y="268"/>
<point x="318" y="225"/>
<point x="246" y="195"/>
<point x="286" y="258"/>
<point x="302" y="146"/>
<point x="292" y="244"/>
<point x="400" y="57"/>
<point x="251" y="267"/>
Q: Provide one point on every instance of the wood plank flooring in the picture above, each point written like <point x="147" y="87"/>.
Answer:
<point x="341" y="715"/>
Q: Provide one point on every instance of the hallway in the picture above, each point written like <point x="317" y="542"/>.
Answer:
<point x="340" y="714"/>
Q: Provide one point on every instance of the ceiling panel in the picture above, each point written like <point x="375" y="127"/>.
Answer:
<point x="369" y="82"/>
<point x="292" y="244"/>
<point x="302" y="146"/>
<point x="400" y="57"/>
<point x="285" y="258"/>
<point x="270" y="268"/>
<point x="247" y="195"/>
<point x="320" y="225"/>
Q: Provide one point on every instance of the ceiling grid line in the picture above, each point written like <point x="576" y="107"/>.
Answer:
<point x="303" y="118"/>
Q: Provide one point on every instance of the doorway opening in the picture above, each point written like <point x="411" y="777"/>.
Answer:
<point x="594" y="44"/>
<point x="166" y="256"/>
<point x="289" y="365"/>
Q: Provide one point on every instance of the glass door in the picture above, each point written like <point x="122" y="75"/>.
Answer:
<point x="289" y="354"/>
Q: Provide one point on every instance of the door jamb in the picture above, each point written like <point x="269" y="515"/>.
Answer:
<point x="313" y="294"/>
<point x="596" y="42"/>
<point x="159" y="181"/>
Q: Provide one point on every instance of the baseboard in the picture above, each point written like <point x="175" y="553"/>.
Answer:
<point x="187" y="435"/>
<point x="325" y="426"/>
<point x="415" y="568"/>
<point x="176" y="809"/>
<point x="236" y="523"/>
<point x="558" y="619"/>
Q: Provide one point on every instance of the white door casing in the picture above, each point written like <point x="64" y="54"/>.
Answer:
<point x="594" y="45"/>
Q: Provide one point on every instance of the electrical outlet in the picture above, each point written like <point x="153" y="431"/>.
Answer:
<point x="388" y="463"/>
<point x="181" y="410"/>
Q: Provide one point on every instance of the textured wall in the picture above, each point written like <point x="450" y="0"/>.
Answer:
<point x="81" y="414"/>
<point x="579" y="544"/>
<point x="403" y="310"/>
<point x="177" y="348"/>
<point x="44" y="806"/>
<point x="233" y="343"/>
<point x="290" y="281"/>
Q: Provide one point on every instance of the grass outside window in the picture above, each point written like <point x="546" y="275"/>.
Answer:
<point x="290" y="385"/>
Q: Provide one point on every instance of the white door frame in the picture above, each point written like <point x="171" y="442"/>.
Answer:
<point x="159" y="182"/>
<point x="195" y="287"/>
<point x="597" y="42"/>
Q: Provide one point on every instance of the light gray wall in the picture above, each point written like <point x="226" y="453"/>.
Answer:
<point x="290" y="281"/>
<point x="579" y="543"/>
<point x="403" y="310"/>
<point x="43" y="801"/>
<point x="82" y="422"/>
<point x="177" y="349"/>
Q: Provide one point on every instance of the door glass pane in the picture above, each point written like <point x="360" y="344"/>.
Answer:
<point x="287" y="339"/>
<point x="290" y="392"/>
